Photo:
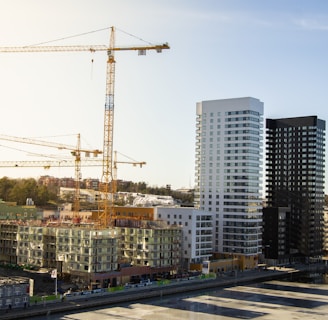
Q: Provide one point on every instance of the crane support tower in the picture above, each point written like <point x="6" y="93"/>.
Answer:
<point x="107" y="167"/>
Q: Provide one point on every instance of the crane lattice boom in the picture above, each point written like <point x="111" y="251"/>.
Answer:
<point x="90" y="48"/>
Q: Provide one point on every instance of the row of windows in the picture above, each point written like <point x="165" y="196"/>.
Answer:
<point x="242" y="125"/>
<point x="242" y="158"/>
<point x="248" y="210"/>
<point x="247" y="197"/>
<point x="241" y="164"/>
<point x="241" y="184"/>
<point x="242" y="151"/>
<point x="242" y="119"/>
<point x="15" y="290"/>
<point x="252" y="237"/>
<point x="257" y="215"/>
<point x="242" y="138"/>
<point x="211" y="114"/>
<point x="235" y="132"/>
<point x="296" y="129"/>
<point x="241" y="190"/>
<point x="232" y="113"/>
<point x="241" y="170"/>
<point x="234" y="226"/>
<point x="238" y="145"/>
<point x="254" y="178"/>
<point x="231" y="184"/>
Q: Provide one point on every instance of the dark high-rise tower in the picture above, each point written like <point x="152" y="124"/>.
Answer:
<point x="295" y="179"/>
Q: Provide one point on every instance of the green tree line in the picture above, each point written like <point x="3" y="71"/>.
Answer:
<point x="18" y="190"/>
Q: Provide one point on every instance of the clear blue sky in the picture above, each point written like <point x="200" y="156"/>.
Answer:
<point x="272" y="50"/>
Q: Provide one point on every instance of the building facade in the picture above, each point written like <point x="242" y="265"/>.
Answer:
<point x="295" y="179"/>
<point x="325" y="238"/>
<point x="276" y="234"/>
<point x="197" y="227"/>
<point x="228" y="172"/>
<point x="15" y="292"/>
<point x="149" y="243"/>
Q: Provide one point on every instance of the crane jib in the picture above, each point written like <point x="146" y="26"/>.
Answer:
<point x="88" y="48"/>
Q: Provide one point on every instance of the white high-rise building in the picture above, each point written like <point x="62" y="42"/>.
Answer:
<point x="228" y="173"/>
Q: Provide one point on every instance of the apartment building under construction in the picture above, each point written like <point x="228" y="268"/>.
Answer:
<point x="133" y="248"/>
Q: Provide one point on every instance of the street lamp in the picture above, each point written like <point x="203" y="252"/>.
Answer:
<point x="232" y="251"/>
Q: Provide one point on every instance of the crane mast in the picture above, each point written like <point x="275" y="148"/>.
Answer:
<point x="107" y="172"/>
<point x="77" y="161"/>
<point x="107" y="167"/>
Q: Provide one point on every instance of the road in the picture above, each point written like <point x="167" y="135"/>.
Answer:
<point x="76" y="304"/>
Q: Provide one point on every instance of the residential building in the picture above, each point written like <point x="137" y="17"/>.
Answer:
<point x="91" y="184"/>
<point x="15" y="292"/>
<point x="94" y="256"/>
<point x="81" y="251"/>
<point x="295" y="179"/>
<point x="70" y="249"/>
<point x="150" y="243"/>
<point x="11" y="211"/>
<point x="197" y="227"/>
<point x="229" y="172"/>
<point x="8" y="243"/>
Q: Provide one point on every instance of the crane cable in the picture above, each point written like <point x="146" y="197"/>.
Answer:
<point x="86" y="33"/>
<point x="68" y="37"/>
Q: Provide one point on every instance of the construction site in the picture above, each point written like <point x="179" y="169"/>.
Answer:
<point x="108" y="247"/>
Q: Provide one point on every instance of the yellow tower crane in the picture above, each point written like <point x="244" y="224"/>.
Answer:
<point x="107" y="167"/>
<point x="75" y="151"/>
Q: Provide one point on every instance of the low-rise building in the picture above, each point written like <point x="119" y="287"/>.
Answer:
<point x="15" y="292"/>
<point x="11" y="211"/>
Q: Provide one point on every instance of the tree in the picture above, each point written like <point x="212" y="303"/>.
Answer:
<point x="6" y="185"/>
<point x="23" y="189"/>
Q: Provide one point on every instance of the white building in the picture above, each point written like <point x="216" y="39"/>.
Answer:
<point x="228" y="171"/>
<point x="148" y="200"/>
<point x="197" y="226"/>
